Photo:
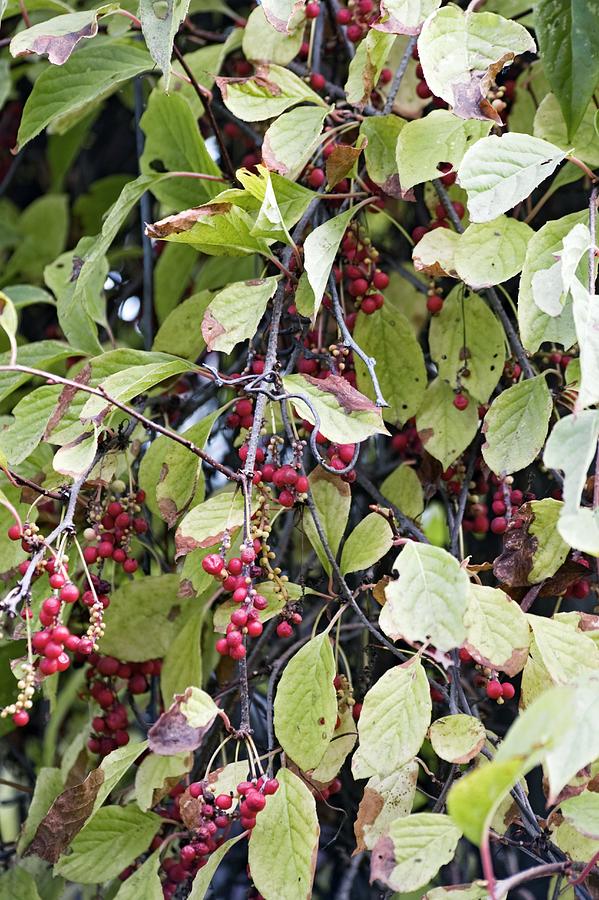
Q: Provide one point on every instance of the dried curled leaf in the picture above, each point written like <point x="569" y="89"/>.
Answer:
<point x="65" y="818"/>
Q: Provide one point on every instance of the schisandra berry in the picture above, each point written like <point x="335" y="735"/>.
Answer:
<point x="494" y="690"/>
<point x="21" y="718"/>
<point x="499" y="525"/>
<point x="460" y="401"/>
<point x="223" y="801"/>
<point x="507" y="690"/>
<point x="15" y="534"/>
<point x="317" y="82"/>
<point x="213" y="564"/>
<point x="434" y="304"/>
<point x="284" y="630"/>
<point x="312" y="10"/>
<point x="69" y="593"/>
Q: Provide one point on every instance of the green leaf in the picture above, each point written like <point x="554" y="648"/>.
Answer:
<point x="571" y="447"/>
<point x="499" y="172"/>
<point x="444" y="430"/>
<point x="75" y="458"/>
<point x="393" y="795"/>
<point x="42" y="229"/>
<point x="466" y="334"/>
<point x="435" y="253"/>
<point x="160" y="22"/>
<point x="492" y="252"/>
<point x="404" y="16"/>
<point x="394" y="720"/>
<point x="109" y="842"/>
<point x="305" y="729"/>
<point x="151" y="782"/>
<point x="144" y="617"/>
<point x="123" y="386"/>
<point x="180" y="327"/>
<point x="218" y="229"/>
<point x="320" y="250"/>
<point x="536" y="327"/>
<point x="549" y="124"/>
<point x="144" y="882"/>
<point x="18" y="884"/>
<point x="113" y="767"/>
<point x="382" y="133"/>
<point x="292" y="139"/>
<point x="174" y="144"/>
<point x="182" y="665"/>
<point x="473" y="800"/>
<point x="78" y="319"/>
<point x="386" y="337"/>
<point x="283" y="204"/>
<point x="367" y="544"/>
<point x="198" y="707"/>
<point x="583" y="813"/>
<point x="235" y="312"/>
<point x="346" y="416"/>
<point x="127" y="199"/>
<point x="439" y="137"/>
<point x="578" y="740"/>
<point x="497" y="633"/>
<point x="206" y="523"/>
<point x="566" y="652"/>
<point x="458" y="738"/>
<point x="366" y="66"/>
<point x="264" y="44"/>
<point x="403" y="488"/>
<point x="41" y="354"/>
<point x="202" y="880"/>
<point x="568" y="31"/>
<point x="550" y="549"/>
<point x="9" y="321"/>
<point x="48" y="785"/>
<point x="422" y="843"/>
<point x="266" y="94"/>
<point x="291" y="815"/>
<point x="515" y="426"/>
<point x="172" y="274"/>
<point x="428" y="600"/>
<point x="340" y="746"/>
<point x="58" y="37"/>
<point x="332" y="497"/>
<point x="88" y="77"/>
<point x="461" y="52"/>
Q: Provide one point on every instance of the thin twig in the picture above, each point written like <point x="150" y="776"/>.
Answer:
<point x="398" y="77"/>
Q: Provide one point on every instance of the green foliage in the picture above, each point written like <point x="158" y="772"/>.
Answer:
<point x="298" y="336"/>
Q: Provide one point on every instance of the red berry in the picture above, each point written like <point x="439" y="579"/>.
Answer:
<point x="140" y="525"/>
<point x="256" y="801"/>
<point x="60" y="634"/>
<point x="63" y="662"/>
<point x="21" y="718"/>
<point x="51" y="606"/>
<point x="108" y="665"/>
<point x="358" y="287"/>
<point x="494" y="690"/>
<point x="40" y="639"/>
<point x="123" y="520"/>
<point x="213" y="564"/>
<point x="460" y="401"/>
<point x="302" y="485"/>
<point x="317" y="82"/>
<point x="312" y="10"/>
<point x="234" y="566"/>
<point x="499" y="525"/>
<point x="434" y="304"/>
<point x="130" y="566"/>
<point x="580" y="589"/>
<point x="105" y="549"/>
<point x="247" y="823"/>
<point x="418" y="233"/>
<point x="244" y="407"/>
<point x="69" y="593"/>
<point x="57" y="580"/>
<point x="356" y="711"/>
<point x="260" y="602"/>
<point x="271" y="786"/>
<point x="286" y="499"/>
<point x="369" y="306"/>
<point x="237" y="652"/>
<point x="223" y="801"/>
<point x="239" y="618"/>
<point x="284" y="630"/>
<point x="507" y="690"/>
<point x="254" y="628"/>
<point x="114" y="509"/>
<point x="380" y="280"/>
<point x="316" y="178"/>
<point x="247" y="555"/>
<point x="344" y="16"/>
<point x="354" y="33"/>
<point x="498" y="507"/>
<point x="423" y="90"/>
<point x="15" y="534"/>
<point x="48" y="666"/>
<point x="137" y="684"/>
<point x="90" y="554"/>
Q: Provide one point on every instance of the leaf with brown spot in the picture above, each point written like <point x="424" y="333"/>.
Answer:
<point x="59" y="36"/>
<point x="341" y="162"/>
<point x="65" y="399"/>
<point x="185" y="220"/>
<point x="172" y="732"/>
<point x="65" y="818"/>
<point x="370" y="806"/>
<point x="382" y="861"/>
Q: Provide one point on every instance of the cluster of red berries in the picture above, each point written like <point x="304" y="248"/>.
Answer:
<point x="109" y="730"/>
<point x="440" y="220"/>
<point x="357" y="17"/>
<point x="497" y="690"/>
<point x="236" y="579"/>
<point x="112" y="529"/>
<point x="407" y="442"/>
<point x="290" y="483"/>
<point x="243" y="411"/>
<point x="363" y="281"/>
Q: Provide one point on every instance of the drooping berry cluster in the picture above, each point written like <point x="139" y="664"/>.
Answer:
<point x="108" y="677"/>
<point x="113" y="526"/>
